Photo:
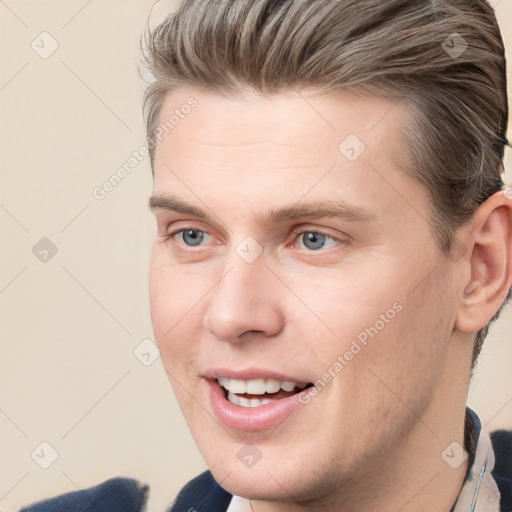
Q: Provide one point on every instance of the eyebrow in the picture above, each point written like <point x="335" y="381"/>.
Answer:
<point x="311" y="210"/>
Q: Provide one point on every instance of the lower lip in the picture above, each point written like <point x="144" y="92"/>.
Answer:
<point x="252" y="419"/>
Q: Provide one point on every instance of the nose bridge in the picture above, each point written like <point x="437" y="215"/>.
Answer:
<point x="240" y="301"/>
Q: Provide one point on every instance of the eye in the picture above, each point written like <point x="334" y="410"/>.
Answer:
<point x="314" y="240"/>
<point x="189" y="236"/>
<point x="311" y="240"/>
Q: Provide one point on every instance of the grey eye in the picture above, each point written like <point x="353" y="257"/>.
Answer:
<point x="313" y="241"/>
<point x="192" y="236"/>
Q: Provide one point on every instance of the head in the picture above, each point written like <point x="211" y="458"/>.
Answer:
<point x="336" y="179"/>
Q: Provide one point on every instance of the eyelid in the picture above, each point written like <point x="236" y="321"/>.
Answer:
<point x="183" y="225"/>
<point x="311" y="229"/>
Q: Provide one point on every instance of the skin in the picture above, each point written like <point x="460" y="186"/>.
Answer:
<point x="373" y="436"/>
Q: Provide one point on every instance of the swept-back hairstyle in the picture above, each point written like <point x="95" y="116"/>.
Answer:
<point x="443" y="59"/>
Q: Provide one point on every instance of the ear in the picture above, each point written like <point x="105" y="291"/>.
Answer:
<point x="489" y="243"/>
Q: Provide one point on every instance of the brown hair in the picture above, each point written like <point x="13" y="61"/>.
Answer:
<point x="444" y="58"/>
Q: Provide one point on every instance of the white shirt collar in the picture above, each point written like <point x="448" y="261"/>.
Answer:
<point x="238" y="504"/>
<point x="480" y="492"/>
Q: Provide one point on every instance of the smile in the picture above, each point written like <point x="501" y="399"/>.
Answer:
<point x="258" y="392"/>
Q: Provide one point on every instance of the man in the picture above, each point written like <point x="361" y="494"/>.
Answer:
<point x="333" y="241"/>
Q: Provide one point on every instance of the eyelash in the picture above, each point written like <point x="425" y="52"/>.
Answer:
<point x="298" y="234"/>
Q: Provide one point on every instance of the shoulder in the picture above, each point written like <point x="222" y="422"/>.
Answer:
<point x="115" y="495"/>
<point x="202" y="494"/>
<point x="502" y="472"/>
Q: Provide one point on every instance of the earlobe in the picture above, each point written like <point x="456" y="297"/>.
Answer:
<point x="490" y="261"/>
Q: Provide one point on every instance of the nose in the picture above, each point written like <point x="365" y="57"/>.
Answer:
<point x="244" y="304"/>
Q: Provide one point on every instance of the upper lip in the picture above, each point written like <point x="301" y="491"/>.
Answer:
<point x="250" y="374"/>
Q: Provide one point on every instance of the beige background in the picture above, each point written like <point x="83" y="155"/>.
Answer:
<point x="69" y="326"/>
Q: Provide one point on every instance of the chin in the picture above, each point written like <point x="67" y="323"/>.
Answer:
<point x="273" y="477"/>
<point x="258" y="484"/>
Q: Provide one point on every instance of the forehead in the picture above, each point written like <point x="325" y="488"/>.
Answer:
<point x="306" y="120"/>
<point x="277" y="148"/>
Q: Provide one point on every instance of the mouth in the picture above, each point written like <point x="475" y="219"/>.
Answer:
<point x="259" y="392"/>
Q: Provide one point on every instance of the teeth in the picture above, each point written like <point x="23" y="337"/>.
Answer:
<point x="272" y="386"/>
<point x="245" y="402"/>
<point x="258" y="386"/>
<point x="223" y="382"/>
<point x="233" y="398"/>
<point x="288" y="386"/>
<point x="237" y="386"/>
<point x="254" y="387"/>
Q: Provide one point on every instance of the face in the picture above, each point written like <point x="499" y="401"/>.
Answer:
<point x="292" y="249"/>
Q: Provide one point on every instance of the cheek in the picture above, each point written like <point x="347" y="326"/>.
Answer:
<point x="343" y="307"/>
<point x="174" y="335"/>
<point x="173" y="293"/>
<point x="160" y="301"/>
<point x="382" y="321"/>
<point x="171" y="306"/>
<point x="403" y="363"/>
